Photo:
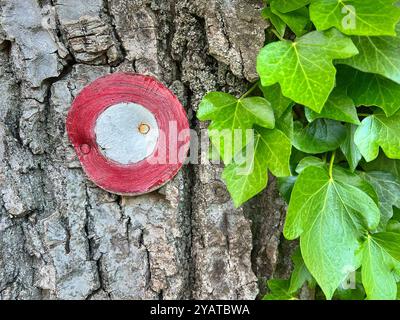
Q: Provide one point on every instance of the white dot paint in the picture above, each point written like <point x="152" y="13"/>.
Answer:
<point x="126" y="133"/>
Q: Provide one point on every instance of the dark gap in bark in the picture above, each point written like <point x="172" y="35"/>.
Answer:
<point x="190" y="197"/>
<point x="267" y="212"/>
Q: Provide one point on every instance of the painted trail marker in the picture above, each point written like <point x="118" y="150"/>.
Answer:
<point x="130" y="132"/>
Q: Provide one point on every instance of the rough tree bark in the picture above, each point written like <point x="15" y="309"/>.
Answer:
<point x="61" y="237"/>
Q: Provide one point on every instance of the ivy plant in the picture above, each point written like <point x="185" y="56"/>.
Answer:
<point x="324" y="118"/>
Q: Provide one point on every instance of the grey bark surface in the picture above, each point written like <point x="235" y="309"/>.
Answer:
<point x="61" y="237"/>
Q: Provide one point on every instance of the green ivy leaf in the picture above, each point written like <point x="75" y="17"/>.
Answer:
<point x="398" y="291"/>
<point x="279" y="290"/>
<point x="387" y="187"/>
<point x="309" y="162"/>
<point x="349" y="148"/>
<point x="304" y="68"/>
<point x="287" y="289"/>
<point x="227" y="112"/>
<point x="378" y="55"/>
<point x="377" y="131"/>
<point x="350" y="294"/>
<point x="285" y="186"/>
<point x="319" y="136"/>
<point x="230" y="114"/>
<point x="356" y="181"/>
<point x="329" y="214"/>
<point x="272" y="149"/>
<point x="356" y="17"/>
<point x="278" y="101"/>
<point x="393" y="226"/>
<point x="382" y="163"/>
<point x="300" y="274"/>
<point x="389" y="242"/>
<point x="338" y="107"/>
<point x="368" y="89"/>
<point x="346" y="291"/>
<point x="396" y="213"/>
<point x="290" y="5"/>
<point x="259" y="111"/>
<point x="296" y="20"/>
<point x="381" y="254"/>
<point x="279" y="25"/>
<point x="285" y="123"/>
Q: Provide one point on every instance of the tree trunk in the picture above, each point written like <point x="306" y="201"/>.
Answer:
<point x="61" y="237"/>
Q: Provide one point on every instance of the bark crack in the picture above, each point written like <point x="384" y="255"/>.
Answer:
<point x="117" y="37"/>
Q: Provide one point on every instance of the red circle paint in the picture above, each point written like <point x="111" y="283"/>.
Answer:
<point x="170" y="146"/>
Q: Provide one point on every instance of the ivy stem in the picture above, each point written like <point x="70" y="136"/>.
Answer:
<point x="331" y="165"/>
<point x="254" y="86"/>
